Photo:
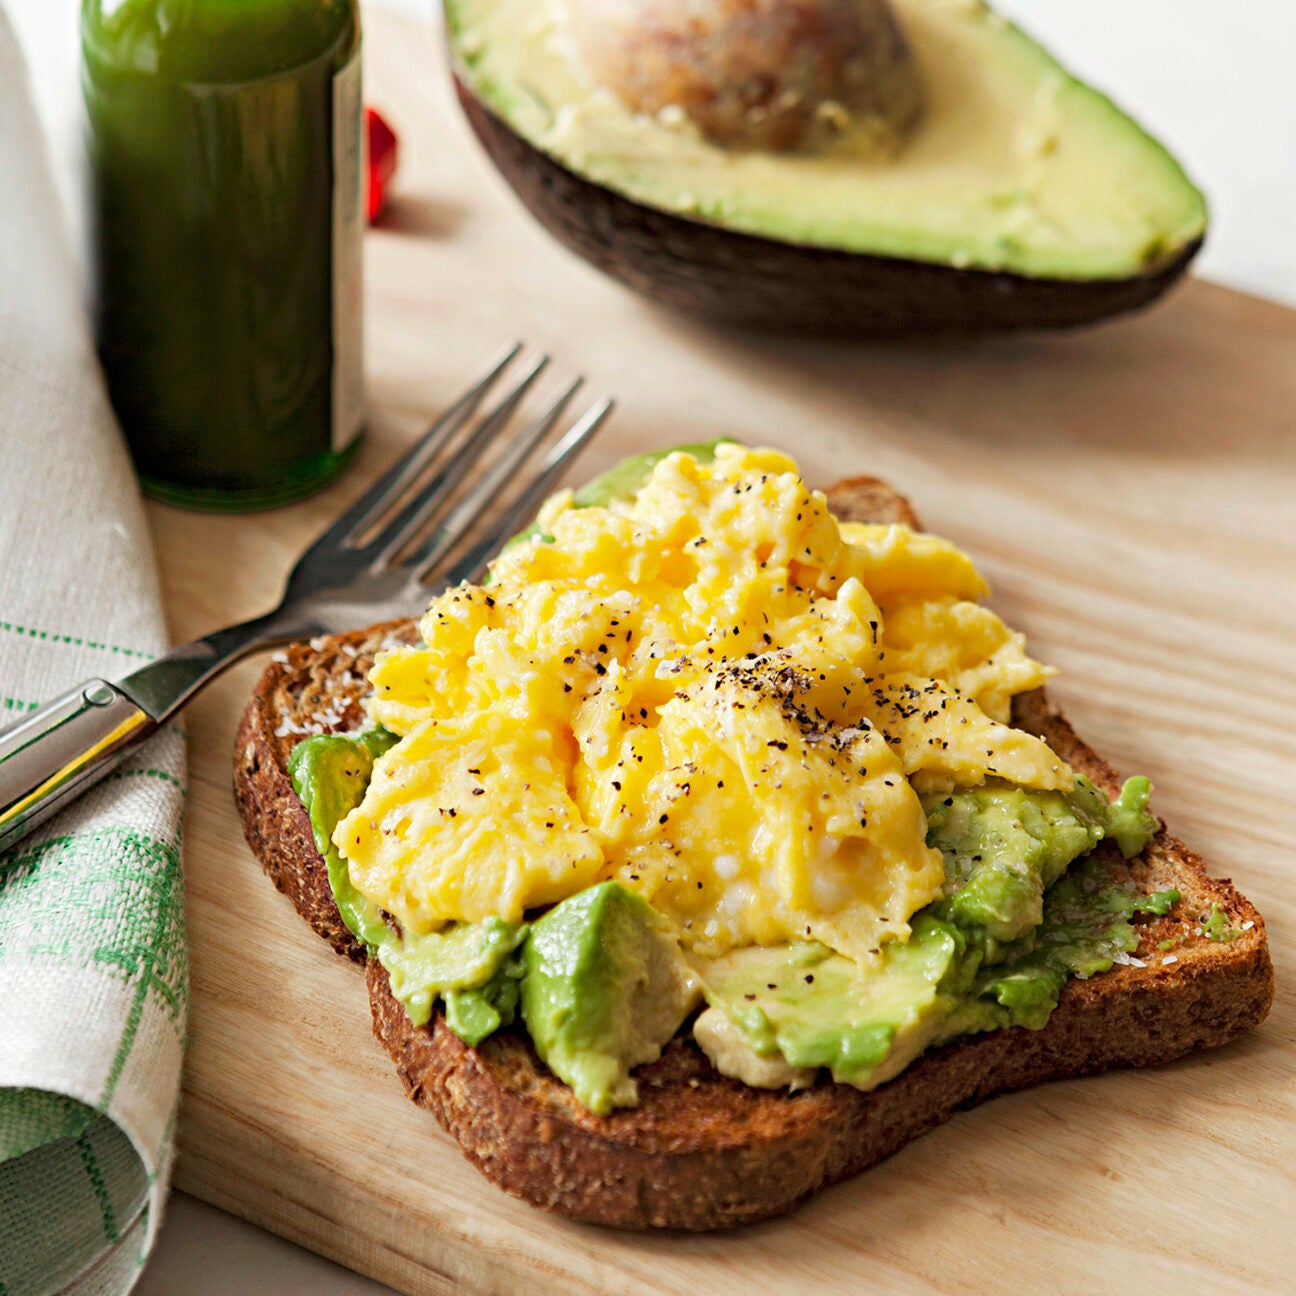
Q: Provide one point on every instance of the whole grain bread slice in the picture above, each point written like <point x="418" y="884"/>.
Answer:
<point x="702" y="1151"/>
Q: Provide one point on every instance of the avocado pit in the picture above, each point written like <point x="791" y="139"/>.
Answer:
<point x="757" y="74"/>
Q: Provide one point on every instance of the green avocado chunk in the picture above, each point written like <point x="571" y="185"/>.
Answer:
<point x="604" y="988"/>
<point x="467" y="960"/>
<point x="330" y="773"/>
<point x="816" y="1009"/>
<point x="1216" y="926"/>
<point x="1004" y="845"/>
<point x="472" y="966"/>
<point x="474" y="1014"/>
<point x="621" y="483"/>
<point x="1017" y="922"/>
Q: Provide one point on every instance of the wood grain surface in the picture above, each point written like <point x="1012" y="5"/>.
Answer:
<point x="1130" y="494"/>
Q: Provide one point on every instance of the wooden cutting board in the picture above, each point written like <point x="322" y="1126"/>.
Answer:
<point x="1131" y="493"/>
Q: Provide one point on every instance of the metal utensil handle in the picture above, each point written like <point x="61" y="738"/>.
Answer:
<point x="54" y="754"/>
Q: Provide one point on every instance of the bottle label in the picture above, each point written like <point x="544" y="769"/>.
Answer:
<point x="348" y="264"/>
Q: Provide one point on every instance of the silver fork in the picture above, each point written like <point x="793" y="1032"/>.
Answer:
<point x="375" y="563"/>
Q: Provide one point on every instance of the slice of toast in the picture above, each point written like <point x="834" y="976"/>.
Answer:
<point x="702" y="1151"/>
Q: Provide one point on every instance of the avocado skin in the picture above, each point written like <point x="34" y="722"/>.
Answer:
<point x="767" y="285"/>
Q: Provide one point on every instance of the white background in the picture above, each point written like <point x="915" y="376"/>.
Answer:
<point x="1213" y="81"/>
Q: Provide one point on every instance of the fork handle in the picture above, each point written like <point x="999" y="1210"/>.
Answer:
<point x="57" y="752"/>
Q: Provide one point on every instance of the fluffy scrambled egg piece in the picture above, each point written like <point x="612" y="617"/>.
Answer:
<point x="716" y="694"/>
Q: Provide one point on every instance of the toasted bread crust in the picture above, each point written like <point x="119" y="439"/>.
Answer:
<point x="702" y="1151"/>
<point x="307" y="689"/>
<point x="705" y="1152"/>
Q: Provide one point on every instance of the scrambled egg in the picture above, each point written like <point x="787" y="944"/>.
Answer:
<point x="716" y="694"/>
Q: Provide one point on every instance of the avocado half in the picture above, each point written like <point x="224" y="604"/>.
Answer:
<point x="1024" y="198"/>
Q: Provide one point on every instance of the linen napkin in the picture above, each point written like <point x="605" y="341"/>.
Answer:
<point x="93" y="970"/>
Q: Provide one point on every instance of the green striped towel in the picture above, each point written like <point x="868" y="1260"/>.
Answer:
<point x="92" y="948"/>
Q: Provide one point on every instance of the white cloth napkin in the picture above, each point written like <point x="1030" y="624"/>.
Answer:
<point x="93" y="971"/>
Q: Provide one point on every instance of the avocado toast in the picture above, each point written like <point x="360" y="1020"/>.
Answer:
<point x="701" y="1150"/>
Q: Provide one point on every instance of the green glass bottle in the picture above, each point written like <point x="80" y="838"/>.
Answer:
<point x="227" y="167"/>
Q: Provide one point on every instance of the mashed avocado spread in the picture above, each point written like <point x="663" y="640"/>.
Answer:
<point x="602" y="983"/>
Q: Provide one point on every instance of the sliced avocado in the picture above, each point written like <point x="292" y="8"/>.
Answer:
<point x="461" y="958"/>
<point x="330" y="773"/>
<point x="604" y="988"/>
<point x="817" y="1009"/>
<point x="474" y="1014"/>
<point x="1022" y="197"/>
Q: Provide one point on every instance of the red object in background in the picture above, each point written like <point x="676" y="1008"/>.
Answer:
<point x="382" y="161"/>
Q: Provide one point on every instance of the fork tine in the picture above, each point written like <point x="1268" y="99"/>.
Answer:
<point x="412" y="517"/>
<point x="472" y="567"/>
<point x="457" y="523"/>
<point x="380" y="495"/>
